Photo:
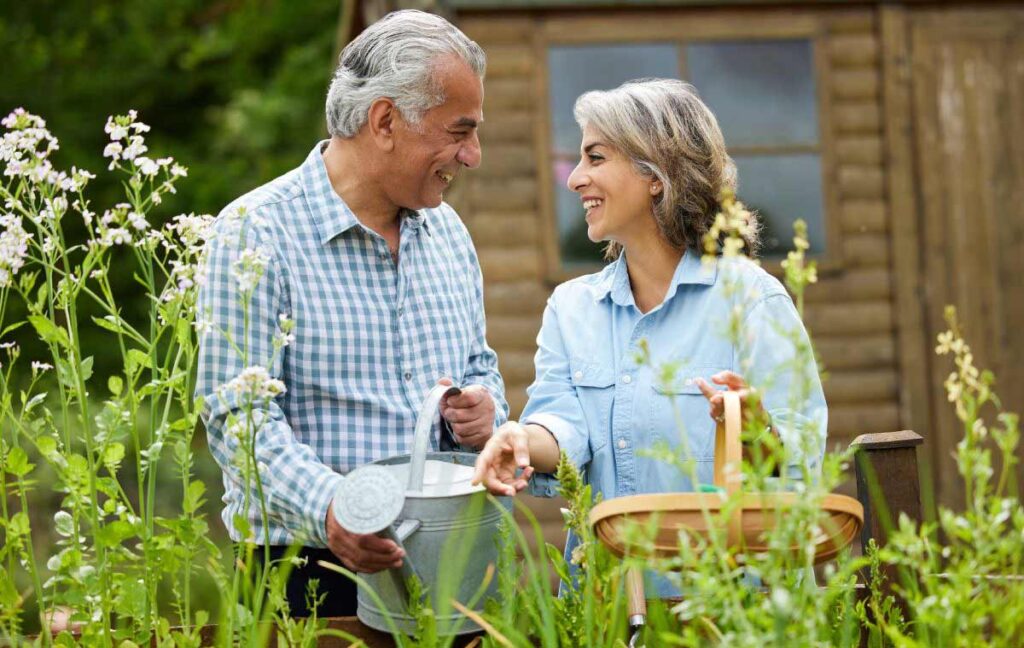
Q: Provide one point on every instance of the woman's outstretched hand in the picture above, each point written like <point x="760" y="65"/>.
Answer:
<point x="733" y="382"/>
<point x="506" y="452"/>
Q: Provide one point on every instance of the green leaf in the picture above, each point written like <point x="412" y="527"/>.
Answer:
<point x="115" y="385"/>
<point x="86" y="368"/>
<point x="109" y="322"/>
<point x="12" y="327"/>
<point x="112" y="456"/>
<point x="19" y="525"/>
<point x="137" y="359"/>
<point x="194" y="496"/>
<point x="46" y="445"/>
<point x="17" y="462"/>
<point x="49" y="331"/>
<point x="115" y="533"/>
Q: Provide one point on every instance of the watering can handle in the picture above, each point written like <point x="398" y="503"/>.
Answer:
<point x="421" y="438"/>
<point x="728" y="457"/>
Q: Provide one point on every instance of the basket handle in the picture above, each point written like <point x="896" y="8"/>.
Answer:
<point x="728" y="457"/>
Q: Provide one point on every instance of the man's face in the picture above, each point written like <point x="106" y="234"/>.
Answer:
<point x="428" y="155"/>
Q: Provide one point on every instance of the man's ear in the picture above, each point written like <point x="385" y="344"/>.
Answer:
<point x="382" y="119"/>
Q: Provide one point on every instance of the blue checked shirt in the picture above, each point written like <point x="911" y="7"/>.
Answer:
<point x="371" y="338"/>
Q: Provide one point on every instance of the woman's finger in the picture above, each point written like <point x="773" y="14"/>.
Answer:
<point x="706" y="389"/>
<point x="730" y="379"/>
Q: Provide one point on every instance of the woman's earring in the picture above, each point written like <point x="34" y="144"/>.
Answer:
<point x="655" y="188"/>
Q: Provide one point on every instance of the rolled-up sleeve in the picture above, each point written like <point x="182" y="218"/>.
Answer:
<point x="779" y="360"/>
<point x="298" y="486"/>
<point x="553" y="402"/>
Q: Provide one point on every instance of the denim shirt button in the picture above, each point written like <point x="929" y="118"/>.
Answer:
<point x="627" y="379"/>
<point x="622" y="444"/>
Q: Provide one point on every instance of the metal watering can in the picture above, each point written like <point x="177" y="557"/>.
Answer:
<point x="447" y="527"/>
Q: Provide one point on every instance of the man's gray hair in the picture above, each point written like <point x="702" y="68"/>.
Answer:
<point x="395" y="57"/>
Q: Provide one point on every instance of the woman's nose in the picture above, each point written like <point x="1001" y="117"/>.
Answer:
<point x="577" y="180"/>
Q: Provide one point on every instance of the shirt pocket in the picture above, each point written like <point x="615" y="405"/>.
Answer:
<point x="595" y="390"/>
<point x="679" y="413"/>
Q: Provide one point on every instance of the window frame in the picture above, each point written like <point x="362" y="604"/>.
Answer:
<point x="671" y="27"/>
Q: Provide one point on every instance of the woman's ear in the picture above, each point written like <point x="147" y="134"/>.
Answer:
<point x="381" y="121"/>
<point x="656" y="187"/>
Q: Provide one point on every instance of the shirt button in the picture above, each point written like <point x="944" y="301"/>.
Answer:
<point x="578" y="375"/>
<point x="622" y="444"/>
<point x="627" y="379"/>
<point x="408" y="375"/>
<point x="688" y="382"/>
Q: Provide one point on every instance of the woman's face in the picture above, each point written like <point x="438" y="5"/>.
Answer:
<point x="616" y="198"/>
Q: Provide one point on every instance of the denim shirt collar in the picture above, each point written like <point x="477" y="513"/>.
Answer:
<point x="331" y="213"/>
<point x="691" y="270"/>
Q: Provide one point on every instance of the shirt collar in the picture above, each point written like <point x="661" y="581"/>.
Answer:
<point x="691" y="270"/>
<point x="330" y="211"/>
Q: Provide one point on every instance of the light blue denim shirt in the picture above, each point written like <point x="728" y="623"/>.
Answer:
<point x="604" y="409"/>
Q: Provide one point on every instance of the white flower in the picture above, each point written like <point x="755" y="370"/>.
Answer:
<point x="135" y="148"/>
<point x="249" y="267"/>
<point x="255" y="383"/>
<point x="147" y="167"/>
<point x="178" y="171"/>
<point x="113" y="150"/>
<point x="39" y="367"/>
<point x="137" y="220"/>
<point x="13" y="247"/>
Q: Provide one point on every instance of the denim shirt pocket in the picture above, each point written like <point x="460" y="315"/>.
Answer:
<point x="595" y="389"/>
<point x="679" y="413"/>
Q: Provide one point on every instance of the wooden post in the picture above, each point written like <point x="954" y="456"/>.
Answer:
<point x="887" y="481"/>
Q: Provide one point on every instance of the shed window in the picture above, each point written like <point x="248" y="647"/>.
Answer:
<point x="763" y="93"/>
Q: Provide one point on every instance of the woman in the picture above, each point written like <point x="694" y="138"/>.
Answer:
<point x="653" y="164"/>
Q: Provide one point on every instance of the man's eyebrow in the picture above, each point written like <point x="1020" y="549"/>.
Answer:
<point x="466" y="122"/>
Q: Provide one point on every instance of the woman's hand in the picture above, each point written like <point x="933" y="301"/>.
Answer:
<point x="506" y="452"/>
<point x="733" y="382"/>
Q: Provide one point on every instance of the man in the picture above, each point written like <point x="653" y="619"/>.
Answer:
<point x="384" y="288"/>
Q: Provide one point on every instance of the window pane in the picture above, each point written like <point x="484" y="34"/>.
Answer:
<point x="573" y="70"/>
<point x="762" y="92"/>
<point x="783" y="188"/>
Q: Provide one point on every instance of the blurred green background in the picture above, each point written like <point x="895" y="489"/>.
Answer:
<point x="233" y="89"/>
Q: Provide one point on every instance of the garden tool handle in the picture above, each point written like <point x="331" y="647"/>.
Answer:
<point x="421" y="437"/>
<point x="635" y="598"/>
<point x="728" y="458"/>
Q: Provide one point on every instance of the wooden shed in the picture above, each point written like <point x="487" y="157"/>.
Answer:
<point x="896" y="129"/>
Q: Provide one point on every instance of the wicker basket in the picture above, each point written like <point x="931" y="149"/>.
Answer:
<point x="842" y="516"/>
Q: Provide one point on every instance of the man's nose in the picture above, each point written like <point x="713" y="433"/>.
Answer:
<point x="469" y="153"/>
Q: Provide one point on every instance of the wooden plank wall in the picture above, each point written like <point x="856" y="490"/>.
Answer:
<point x="850" y="313"/>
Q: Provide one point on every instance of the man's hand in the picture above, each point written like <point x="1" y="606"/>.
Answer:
<point x="471" y="414"/>
<point x="507" y="451"/>
<point x="361" y="553"/>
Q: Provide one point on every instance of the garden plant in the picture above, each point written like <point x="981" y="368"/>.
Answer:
<point x="119" y="561"/>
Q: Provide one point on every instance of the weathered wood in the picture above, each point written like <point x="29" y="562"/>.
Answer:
<point x="512" y="264"/>
<point x="852" y="22"/>
<point x="856" y="352"/>
<point x="864" y="386"/>
<point x="861" y="182"/>
<point x="507" y="160"/>
<point x="847" y="421"/>
<point x="908" y="280"/>
<point x="859" y="150"/>
<point x="853" y="50"/>
<point x="854" y="284"/>
<point x="517" y="368"/>
<point x="513" y="332"/>
<point x="515" y="394"/>
<point x="488" y="31"/>
<point x="514" y="126"/>
<point x="866" y="250"/>
<point x="855" y="84"/>
<point x="507" y="94"/>
<point x="509" y="61"/>
<point x="888" y="486"/>
<point x="509" y="194"/>
<point x="864" y="216"/>
<point x="857" y="117"/>
<point x="849" y="318"/>
<point x="515" y="298"/>
<point x="496" y="229"/>
<point x="671" y="25"/>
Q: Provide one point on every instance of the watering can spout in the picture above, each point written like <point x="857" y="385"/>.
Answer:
<point x="421" y="438"/>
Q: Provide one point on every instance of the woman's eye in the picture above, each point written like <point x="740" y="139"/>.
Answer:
<point x="593" y="157"/>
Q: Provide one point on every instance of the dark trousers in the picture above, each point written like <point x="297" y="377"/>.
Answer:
<point x="339" y="591"/>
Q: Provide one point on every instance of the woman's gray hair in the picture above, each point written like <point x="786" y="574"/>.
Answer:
<point x="395" y="57"/>
<point x="669" y="134"/>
